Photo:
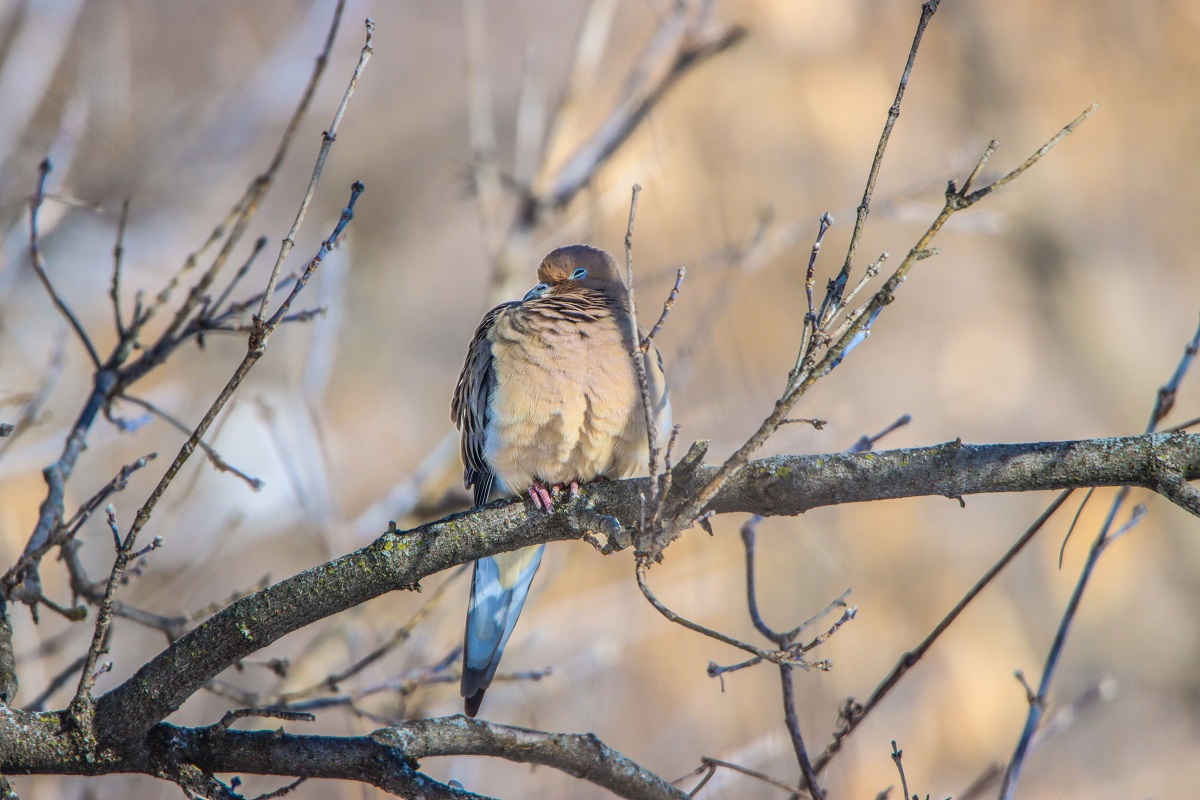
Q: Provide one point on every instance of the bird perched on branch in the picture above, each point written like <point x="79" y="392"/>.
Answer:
<point x="548" y="398"/>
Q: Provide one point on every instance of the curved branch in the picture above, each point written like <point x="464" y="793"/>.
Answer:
<point x="780" y="485"/>
<point x="581" y="755"/>
<point x="386" y="758"/>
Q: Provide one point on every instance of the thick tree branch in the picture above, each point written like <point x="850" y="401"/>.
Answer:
<point x="779" y="485"/>
<point x="386" y="758"/>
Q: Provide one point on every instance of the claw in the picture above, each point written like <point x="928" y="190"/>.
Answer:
<point x="540" y="496"/>
<point x="574" y="494"/>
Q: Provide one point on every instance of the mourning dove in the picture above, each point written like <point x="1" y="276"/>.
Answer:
<point x="548" y="396"/>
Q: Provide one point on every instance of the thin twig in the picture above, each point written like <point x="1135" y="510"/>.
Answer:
<point x="230" y="717"/>
<point x="667" y="306"/>
<point x="775" y="657"/>
<point x="26" y="586"/>
<point x="401" y="635"/>
<point x="118" y="255"/>
<point x="259" y="244"/>
<point x="716" y="762"/>
<point x="797" y="383"/>
<point x="787" y="679"/>
<point x="66" y="530"/>
<point x="928" y="9"/>
<point x="258" y="338"/>
<point x="707" y="769"/>
<point x="117" y="484"/>
<point x="82" y="704"/>
<point x="678" y="46"/>
<point x="807" y="335"/>
<point x="39" y="264"/>
<point x="327" y="140"/>
<point x="641" y="356"/>
<point x="281" y="791"/>
<point x="980" y="164"/>
<point x="57" y="682"/>
<point x="1066" y="131"/>
<point x="850" y="332"/>
<point x="854" y="714"/>
<point x="867" y="443"/>
<point x="219" y="463"/>
<point x="1163" y="402"/>
<point x="896" y="756"/>
<point x="1074" y="521"/>
<point x="239" y="217"/>
<point x="749" y="533"/>
<point x="786" y="676"/>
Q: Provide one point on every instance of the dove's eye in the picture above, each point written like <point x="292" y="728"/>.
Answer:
<point x="579" y="274"/>
<point x="536" y="291"/>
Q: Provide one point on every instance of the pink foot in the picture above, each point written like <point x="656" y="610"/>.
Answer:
<point x="571" y="488"/>
<point x="540" y="496"/>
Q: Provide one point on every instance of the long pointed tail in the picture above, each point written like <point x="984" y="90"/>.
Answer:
<point x="498" y="590"/>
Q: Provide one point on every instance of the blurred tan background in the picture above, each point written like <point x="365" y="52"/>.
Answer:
<point x="1055" y="310"/>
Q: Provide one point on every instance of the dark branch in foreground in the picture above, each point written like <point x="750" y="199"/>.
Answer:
<point x="385" y="758"/>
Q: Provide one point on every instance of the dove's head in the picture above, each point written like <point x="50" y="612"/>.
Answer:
<point x="578" y="266"/>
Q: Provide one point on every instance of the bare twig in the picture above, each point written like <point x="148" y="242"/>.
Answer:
<point x="118" y="255"/>
<point x="399" y="636"/>
<point x="281" y="791"/>
<point x="784" y="641"/>
<point x="896" y="756"/>
<point x="230" y="717"/>
<point x="749" y="534"/>
<point x="215" y="308"/>
<point x="327" y="140"/>
<point x="39" y="264"/>
<point x="116" y="375"/>
<point x="263" y="328"/>
<point x="781" y="657"/>
<point x="641" y="356"/>
<point x="667" y="306"/>
<point x="1062" y="549"/>
<point x="82" y="706"/>
<point x="117" y="484"/>
<point x="850" y="332"/>
<point x="928" y="9"/>
<point x="66" y="530"/>
<point x="219" y="463"/>
<point x="716" y="762"/>
<point x="708" y="770"/>
<point x="818" y="424"/>
<point x="792" y="720"/>
<point x="867" y="443"/>
<point x="238" y="219"/>
<point x="853" y="714"/>
<point x="810" y="318"/>
<point x="1163" y="402"/>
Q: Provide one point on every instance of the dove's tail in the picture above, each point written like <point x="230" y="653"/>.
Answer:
<point x="498" y="590"/>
